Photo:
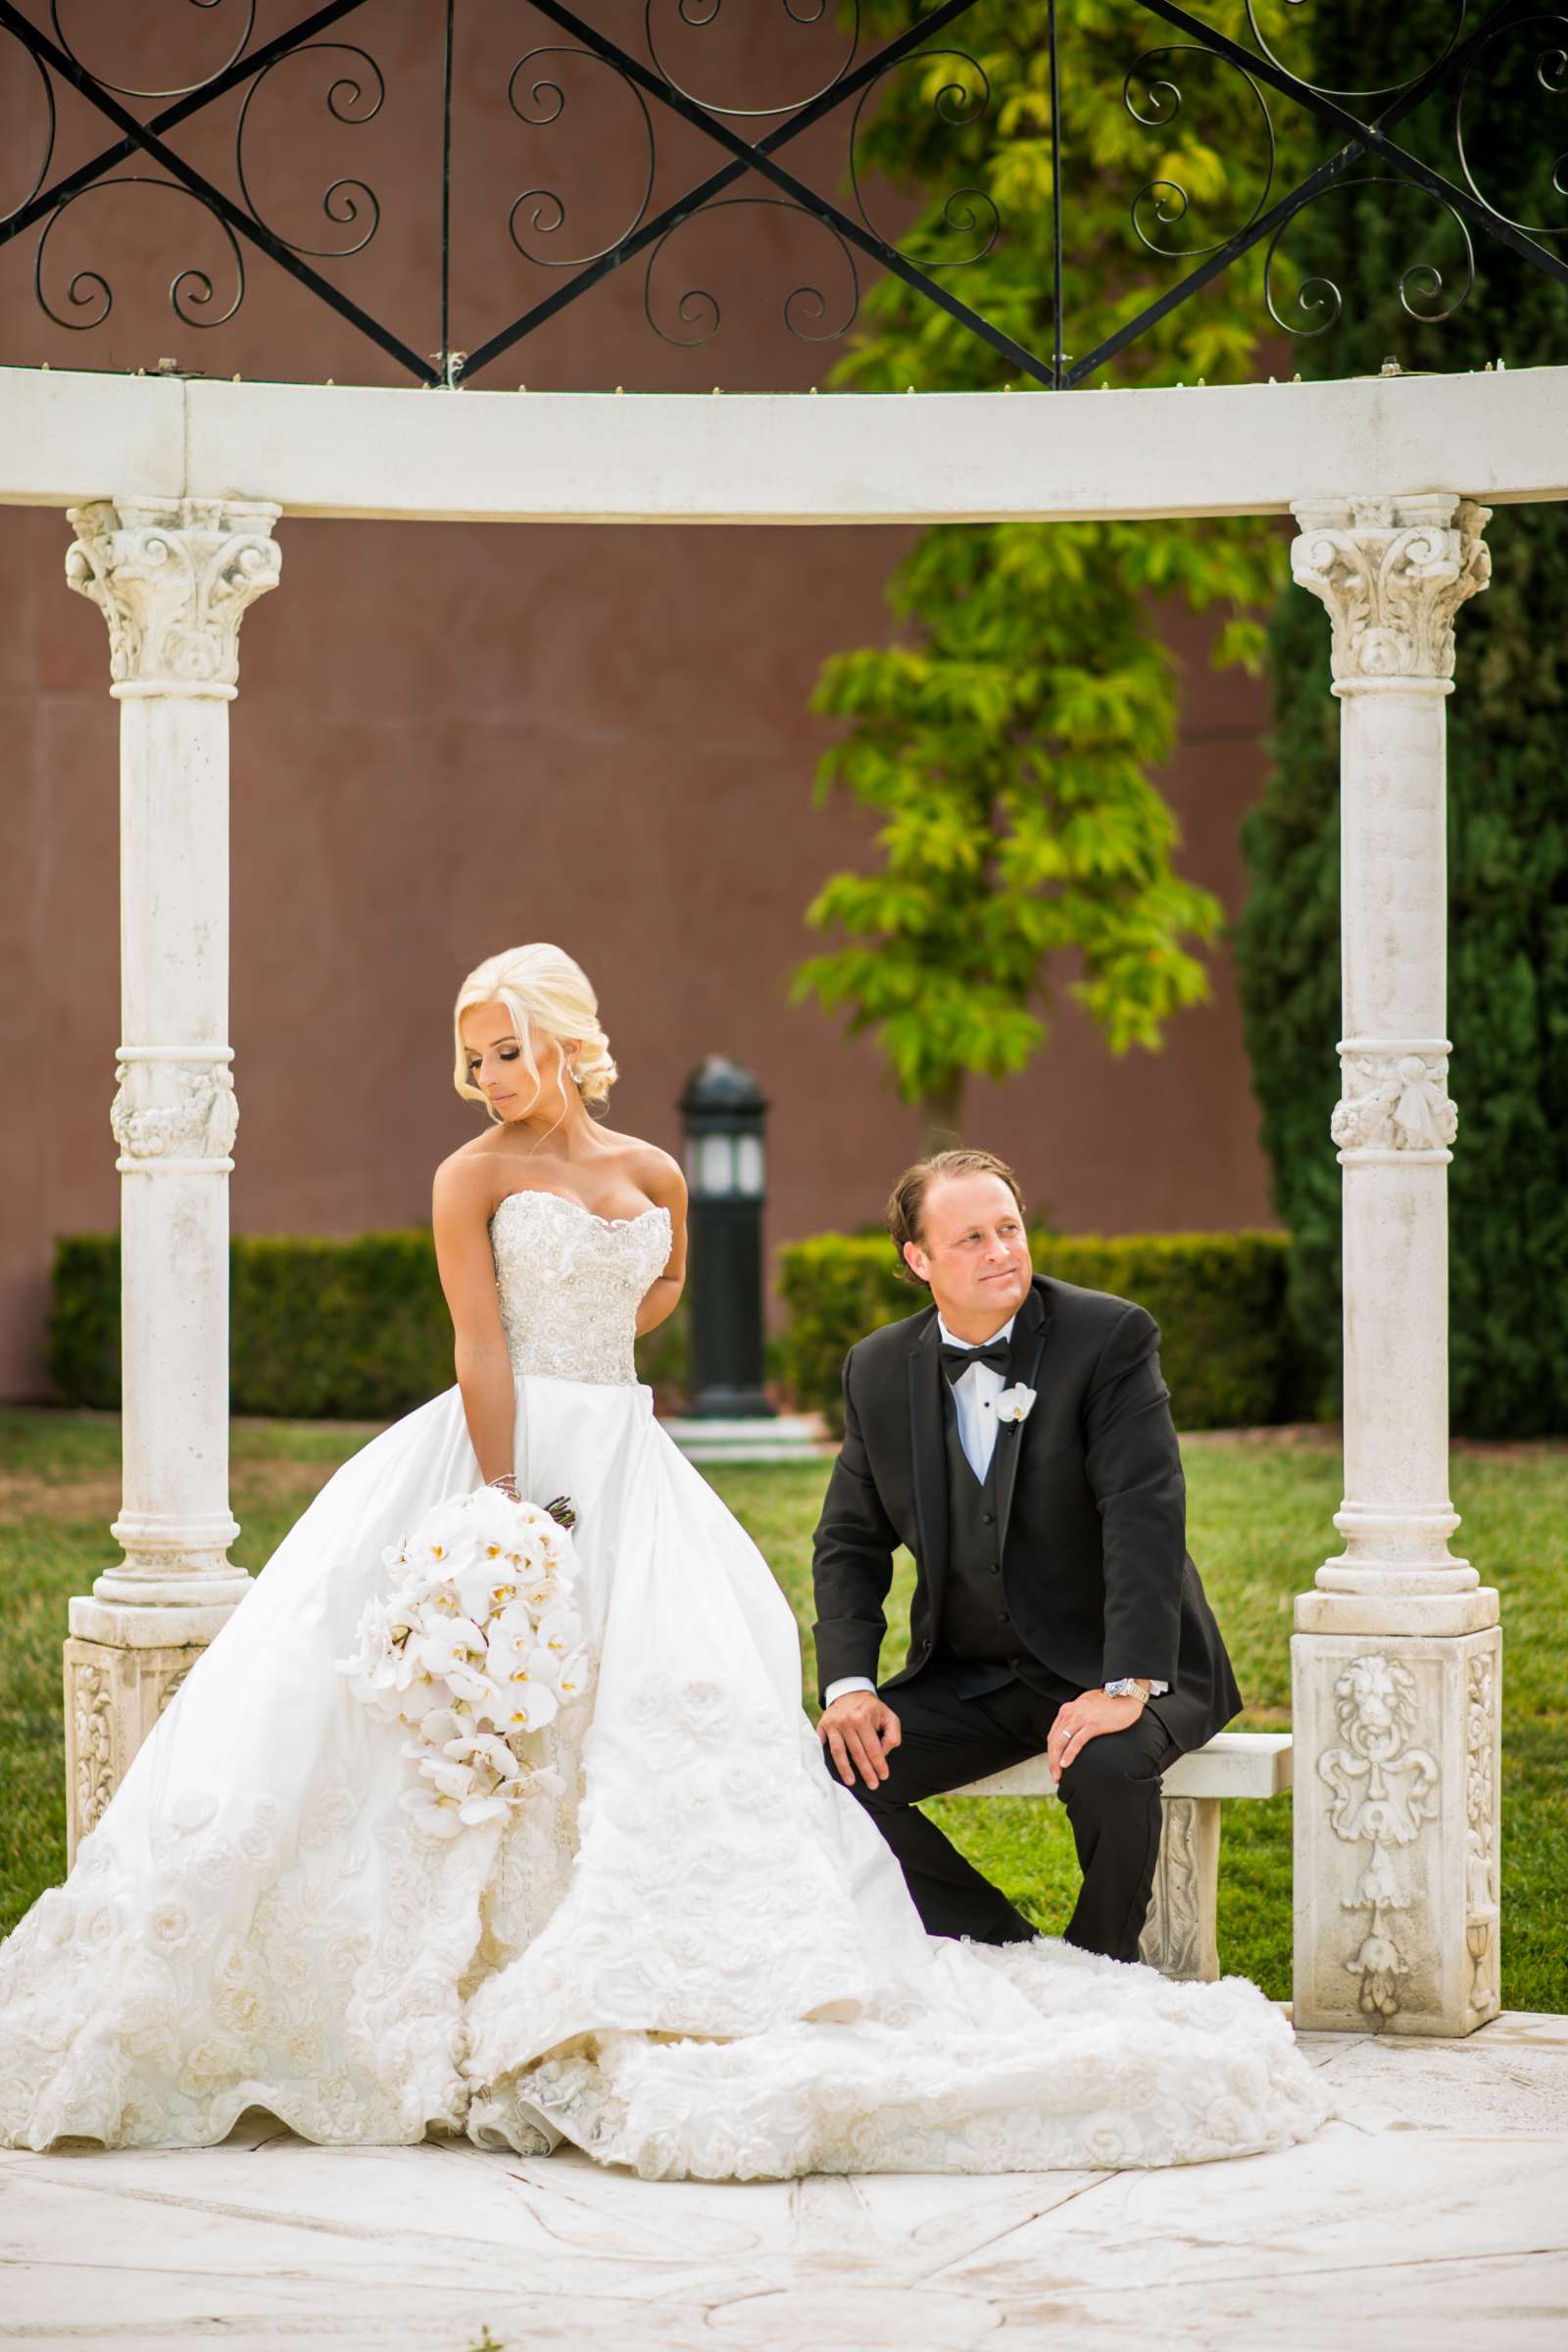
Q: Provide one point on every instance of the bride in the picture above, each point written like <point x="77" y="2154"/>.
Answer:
<point x="685" y="1947"/>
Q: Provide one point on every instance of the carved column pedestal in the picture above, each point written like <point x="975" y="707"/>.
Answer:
<point x="173" y="580"/>
<point x="1395" y="1834"/>
<point x="115" y="1693"/>
<point x="1396" y="1660"/>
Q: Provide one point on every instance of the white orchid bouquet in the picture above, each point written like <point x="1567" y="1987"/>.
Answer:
<point x="476" y="1650"/>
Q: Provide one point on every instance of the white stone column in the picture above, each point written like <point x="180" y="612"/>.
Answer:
<point x="1396" y="1661"/>
<point x="172" y="579"/>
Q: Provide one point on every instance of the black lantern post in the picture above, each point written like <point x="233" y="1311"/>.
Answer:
<point x="724" y="1113"/>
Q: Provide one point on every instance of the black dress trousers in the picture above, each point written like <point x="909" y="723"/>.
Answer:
<point x="1111" y="1792"/>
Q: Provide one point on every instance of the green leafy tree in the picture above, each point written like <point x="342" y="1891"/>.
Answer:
<point x="1007" y="738"/>
<point x="1507" y="810"/>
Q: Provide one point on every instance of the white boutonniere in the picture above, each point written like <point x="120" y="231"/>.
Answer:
<point x="1014" y="1404"/>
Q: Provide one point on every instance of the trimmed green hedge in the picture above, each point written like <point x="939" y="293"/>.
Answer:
<point x="358" y="1328"/>
<point x="1226" y="1348"/>
<point x="351" y="1329"/>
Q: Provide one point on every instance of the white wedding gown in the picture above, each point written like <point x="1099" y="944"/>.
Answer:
<point x="699" y="1959"/>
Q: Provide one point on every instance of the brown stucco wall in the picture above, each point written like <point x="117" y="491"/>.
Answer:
<point x="453" y="738"/>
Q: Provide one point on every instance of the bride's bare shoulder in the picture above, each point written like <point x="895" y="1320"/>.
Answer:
<point x="465" y="1180"/>
<point x="655" y="1171"/>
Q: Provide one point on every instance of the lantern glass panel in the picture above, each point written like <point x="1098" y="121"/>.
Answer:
<point x="715" y="1164"/>
<point x="748" y="1164"/>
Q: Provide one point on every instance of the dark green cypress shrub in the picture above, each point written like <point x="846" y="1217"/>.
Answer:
<point x="1507" y="766"/>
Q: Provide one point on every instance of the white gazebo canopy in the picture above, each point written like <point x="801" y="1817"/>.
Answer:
<point x="174" y="488"/>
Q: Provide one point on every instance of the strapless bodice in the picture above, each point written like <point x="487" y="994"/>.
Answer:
<point x="570" y="1284"/>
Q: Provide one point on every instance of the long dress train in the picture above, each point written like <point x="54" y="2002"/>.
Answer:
<point x="698" y="1958"/>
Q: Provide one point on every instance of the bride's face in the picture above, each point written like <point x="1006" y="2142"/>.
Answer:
<point x="497" y="1065"/>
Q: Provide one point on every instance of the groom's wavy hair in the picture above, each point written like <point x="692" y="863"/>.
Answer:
<point x="907" y="1201"/>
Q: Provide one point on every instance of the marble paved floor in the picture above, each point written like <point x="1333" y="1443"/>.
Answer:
<point x="1433" y="2213"/>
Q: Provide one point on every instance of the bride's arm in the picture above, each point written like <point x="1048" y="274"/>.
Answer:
<point x="666" y="1187"/>
<point x="459" y="1199"/>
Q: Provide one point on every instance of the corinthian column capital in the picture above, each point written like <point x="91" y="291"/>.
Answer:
<point x="1393" y="572"/>
<point x="172" y="578"/>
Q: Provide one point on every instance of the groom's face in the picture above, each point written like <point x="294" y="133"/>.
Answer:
<point x="973" y="1251"/>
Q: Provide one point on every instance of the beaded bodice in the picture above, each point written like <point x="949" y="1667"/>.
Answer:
<point x="571" y="1283"/>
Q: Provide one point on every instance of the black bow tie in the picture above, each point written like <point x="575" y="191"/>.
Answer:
<point x="955" y="1360"/>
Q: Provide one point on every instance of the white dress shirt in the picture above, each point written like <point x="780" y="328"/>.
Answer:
<point x="974" y="1397"/>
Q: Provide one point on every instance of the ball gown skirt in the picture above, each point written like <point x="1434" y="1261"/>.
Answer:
<point x="697" y="1957"/>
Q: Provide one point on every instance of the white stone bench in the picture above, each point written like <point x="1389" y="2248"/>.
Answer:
<point x="1180" y="1937"/>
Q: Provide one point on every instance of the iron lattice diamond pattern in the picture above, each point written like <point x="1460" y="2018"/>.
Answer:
<point x="536" y="97"/>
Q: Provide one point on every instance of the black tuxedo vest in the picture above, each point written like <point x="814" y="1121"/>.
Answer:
<point x="975" y="1623"/>
<point x="977" y="1626"/>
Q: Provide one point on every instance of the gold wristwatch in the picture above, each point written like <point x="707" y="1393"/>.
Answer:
<point x="1125" y="1686"/>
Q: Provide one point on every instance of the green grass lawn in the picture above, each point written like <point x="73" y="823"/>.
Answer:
<point x="1259" y="1513"/>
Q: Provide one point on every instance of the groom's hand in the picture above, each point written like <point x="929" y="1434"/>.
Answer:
<point x="1082" y="1719"/>
<point x="858" y="1731"/>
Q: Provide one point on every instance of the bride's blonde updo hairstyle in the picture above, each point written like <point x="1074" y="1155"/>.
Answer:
<point x="545" y="992"/>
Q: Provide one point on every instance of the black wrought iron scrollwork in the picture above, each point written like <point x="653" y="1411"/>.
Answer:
<point x="1373" y="139"/>
<point x="1551" y="75"/>
<point x="750" y="143"/>
<point x="1382" y="89"/>
<point x="699" y="14"/>
<point x="53" y="125"/>
<point x="88" y="286"/>
<point x="1316" y="292"/>
<point x="959" y="104"/>
<point x="1167" y="199"/>
<point x="342" y="94"/>
<point x="550" y="209"/>
<point x="181" y="89"/>
<point x="698" y="300"/>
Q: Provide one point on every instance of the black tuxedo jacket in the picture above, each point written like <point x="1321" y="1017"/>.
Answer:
<point x="1091" y="1505"/>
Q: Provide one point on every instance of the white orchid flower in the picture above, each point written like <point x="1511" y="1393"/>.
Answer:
<point x="479" y="1689"/>
<point x="473" y="1588"/>
<point x="571" y="1676"/>
<point x="449" y="1645"/>
<point x="492" y="1513"/>
<point x="446" y="1774"/>
<point x="1014" y="1404"/>
<point x="405" y="1614"/>
<point x="559" y="1632"/>
<point x="516" y="1620"/>
<point x="436" y="1815"/>
<point x="397" y="1668"/>
<point x="525" y="1706"/>
<point x="441" y="1725"/>
<point x="482" y="1808"/>
<point x="486" y="1588"/>
<point x="539" y="1587"/>
<point x="483" y="1748"/>
<point x="509" y="1656"/>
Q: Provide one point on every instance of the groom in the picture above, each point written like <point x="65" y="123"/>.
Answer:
<point x="1017" y="1438"/>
